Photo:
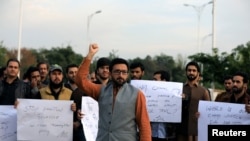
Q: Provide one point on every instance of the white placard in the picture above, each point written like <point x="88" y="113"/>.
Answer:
<point x="215" y="113"/>
<point x="90" y="119"/>
<point x="40" y="120"/>
<point x="163" y="99"/>
<point x="8" y="123"/>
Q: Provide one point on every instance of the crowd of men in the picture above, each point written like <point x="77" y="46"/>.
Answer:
<point x="123" y="112"/>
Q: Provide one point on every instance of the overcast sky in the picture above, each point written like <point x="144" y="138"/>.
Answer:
<point x="132" y="28"/>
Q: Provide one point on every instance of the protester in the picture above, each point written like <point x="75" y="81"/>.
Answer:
<point x="228" y="85"/>
<point x="2" y="73"/>
<point x="102" y="71"/>
<point x="187" y="130"/>
<point x="239" y="94"/>
<point x="121" y="106"/>
<point x="55" y="90"/>
<point x="136" y="70"/>
<point x="92" y="76"/>
<point x="44" y="69"/>
<point x="162" y="131"/>
<point x="71" y="71"/>
<point x="11" y="87"/>
<point x="239" y="91"/>
<point x="34" y="80"/>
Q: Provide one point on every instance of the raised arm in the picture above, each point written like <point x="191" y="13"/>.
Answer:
<point x="82" y="80"/>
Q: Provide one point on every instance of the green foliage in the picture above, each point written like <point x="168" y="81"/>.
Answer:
<point x="217" y="66"/>
<point x="214" y="67"/>
<point x="3" y="56"/>
<point x="58" y="55"/>
<point x="113" y="54"/>
<point x="162" y="62"/>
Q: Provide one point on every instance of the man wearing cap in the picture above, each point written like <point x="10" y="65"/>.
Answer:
<point x="55" y="90"/>
<point x="102" y="71"/>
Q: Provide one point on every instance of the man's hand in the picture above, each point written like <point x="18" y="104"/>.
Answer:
<point x="33" y="82"/>
<point x="16" y="104"/>
<point x="93" y="49"/>
<point x="73" y="107"/>
<point x="247" y="107"/>
<point x="197" y="115"/>
<point x="79" y="114"/>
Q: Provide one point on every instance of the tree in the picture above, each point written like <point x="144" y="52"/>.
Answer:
<point x="214" y="66"/>
<point x="58" y="55"/>
<point x="217" y="66"/>
<point x="27" y="59"/>
<point x="178" y="71"/>
<point x="113" y="54"/>
<point x="242" y="55"/>
<point x="3" y="52"/>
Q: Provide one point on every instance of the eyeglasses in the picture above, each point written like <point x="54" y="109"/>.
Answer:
<point x="118" y="72"/>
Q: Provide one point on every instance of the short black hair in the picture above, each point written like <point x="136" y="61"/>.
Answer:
<point x="71" y="66"/>
<point x="242" y="74"/>
<point x="102" y="62"/>
<point x="134" y="65"/>
<point x="40" y="63"/>
<point x="13" y="60"/>
<point x="193" y="63"/>
<point x="30" y="70"/>
<point x="164" y="74"/>
<point x="227" y="77"/>
<point x="117" y="61"/>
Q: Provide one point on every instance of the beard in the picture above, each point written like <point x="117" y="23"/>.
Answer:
<point x="191" y="77"/>
<point x="137" y="78"/>
<point x="55" y="85"/>
<point x="237" y="90"/>
<point x="228" y="90"/>
<point x="119" y="82"/>
<point x="71" y="81"/>
<point x="103" y="78"/>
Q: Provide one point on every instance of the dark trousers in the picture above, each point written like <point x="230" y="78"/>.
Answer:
<point x="78" y="134"/>
<point x="160" y="139"/>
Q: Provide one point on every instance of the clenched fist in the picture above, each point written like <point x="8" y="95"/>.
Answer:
<point x="93" y="48"/>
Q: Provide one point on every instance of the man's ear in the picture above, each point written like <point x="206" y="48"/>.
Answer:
<point x="245" y="86"/>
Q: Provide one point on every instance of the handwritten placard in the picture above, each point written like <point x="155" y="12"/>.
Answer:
<point x="8" y="123"/>
<point x="40" y="120"/>
<point x="219" y="113"/>
<point x="163" y="99"/>
<point x="91" y="116"/>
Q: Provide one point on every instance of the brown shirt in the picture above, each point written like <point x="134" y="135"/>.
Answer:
<point x="189" y="124"/>
<point x="223" y="97"/>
